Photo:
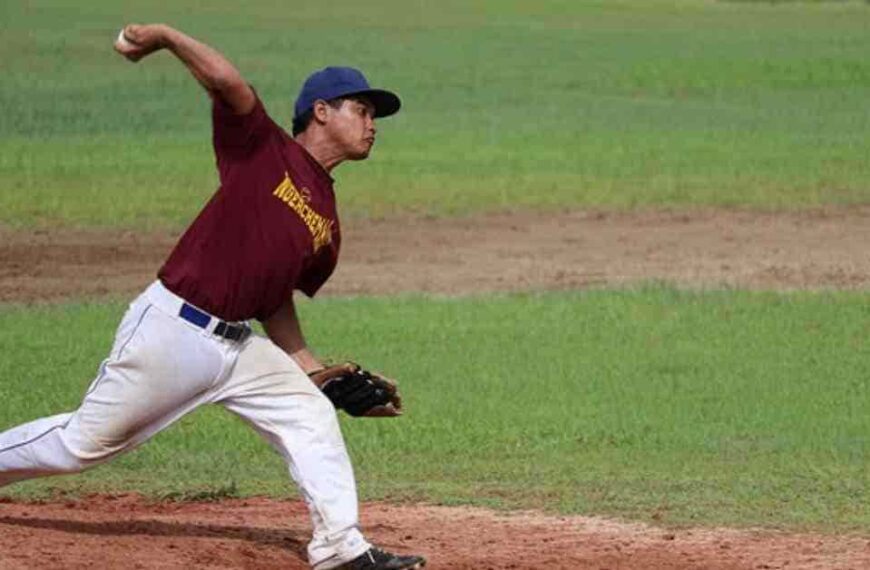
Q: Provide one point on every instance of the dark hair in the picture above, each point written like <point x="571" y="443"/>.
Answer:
<point x="301" y="122"/>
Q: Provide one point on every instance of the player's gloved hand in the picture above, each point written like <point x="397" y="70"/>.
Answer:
<point x="359" y="392"/>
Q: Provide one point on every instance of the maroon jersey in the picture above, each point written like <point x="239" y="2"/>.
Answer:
<point x="270" y="228"/>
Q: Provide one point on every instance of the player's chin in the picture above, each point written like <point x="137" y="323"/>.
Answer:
<point x="361" y="150"/>
<point x="360" y="153"/>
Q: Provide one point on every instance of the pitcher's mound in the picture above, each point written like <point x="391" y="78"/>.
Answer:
<point x="128" y="532"/>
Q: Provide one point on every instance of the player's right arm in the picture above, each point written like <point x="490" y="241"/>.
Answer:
<point x="213" y="71"/>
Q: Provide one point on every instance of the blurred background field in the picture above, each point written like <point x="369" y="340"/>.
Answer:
<point x="507" y="104"/>
<point x="654" y="404"/>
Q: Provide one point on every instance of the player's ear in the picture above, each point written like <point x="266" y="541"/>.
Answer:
<point x="320" y="111"/>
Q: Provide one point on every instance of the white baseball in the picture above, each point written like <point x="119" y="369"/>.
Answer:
<point x="123" y="42"/>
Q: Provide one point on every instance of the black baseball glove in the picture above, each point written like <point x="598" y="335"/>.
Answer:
<point x="357" y="391"/>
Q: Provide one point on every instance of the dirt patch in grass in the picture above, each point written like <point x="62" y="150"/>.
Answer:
<point x="128" y="532"/>
<point x="493" y="252"/>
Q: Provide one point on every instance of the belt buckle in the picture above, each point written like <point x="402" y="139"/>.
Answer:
<point x="244" y="333"/>
<point x="236" y="333"/>
<point x="221" y="329"/>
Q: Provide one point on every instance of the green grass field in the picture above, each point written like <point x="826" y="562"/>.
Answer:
<point x="507" y="105"/>
<point x="719" y="407"/>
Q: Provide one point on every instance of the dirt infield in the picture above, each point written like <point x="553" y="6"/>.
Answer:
<point x="127" y="532"/>
<point x="496" y="252"/>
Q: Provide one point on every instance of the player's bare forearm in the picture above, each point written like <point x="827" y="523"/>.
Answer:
<point x="284" y="330"/>
<point x="211" y="69"/>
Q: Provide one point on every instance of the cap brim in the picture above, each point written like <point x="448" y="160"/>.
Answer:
<point x="386" y="102"/>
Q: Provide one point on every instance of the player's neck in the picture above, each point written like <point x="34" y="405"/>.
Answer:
<point x="324" y="151"/>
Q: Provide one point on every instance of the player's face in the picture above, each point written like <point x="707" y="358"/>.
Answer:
<point x="352" y="126"/>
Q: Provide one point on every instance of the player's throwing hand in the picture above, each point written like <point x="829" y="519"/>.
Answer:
<point x="136" y="41"/>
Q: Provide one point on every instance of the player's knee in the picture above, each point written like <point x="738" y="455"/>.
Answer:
<point x="86" y="451"/>
<point x="59" y="459"/>
<point x="326" y="419"/>
<point x="322" y="409"/>
<point x="70" y="464"/>
<point x="322" y="405"/>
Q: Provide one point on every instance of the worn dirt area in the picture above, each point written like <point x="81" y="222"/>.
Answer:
<point x="127" y="532"/>
<point x="494" y="252"/>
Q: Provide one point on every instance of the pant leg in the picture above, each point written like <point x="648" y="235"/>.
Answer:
<point x="160" y="368"/>
<point x="269" y="391"/>
<point x="22" y="458"/>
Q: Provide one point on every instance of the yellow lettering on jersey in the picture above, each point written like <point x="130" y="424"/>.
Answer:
<point x="319" y="226"/>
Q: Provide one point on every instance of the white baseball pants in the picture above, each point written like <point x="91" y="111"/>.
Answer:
<point x="162" y="367"/>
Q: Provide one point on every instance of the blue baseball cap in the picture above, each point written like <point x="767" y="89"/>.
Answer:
<point x="333" y="82"/>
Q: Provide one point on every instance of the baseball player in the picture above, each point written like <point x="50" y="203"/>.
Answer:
<point x="270" y="229"/>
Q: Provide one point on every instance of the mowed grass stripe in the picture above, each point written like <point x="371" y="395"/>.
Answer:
<point x="523" y="104"/>
<point x="684" y="407"/>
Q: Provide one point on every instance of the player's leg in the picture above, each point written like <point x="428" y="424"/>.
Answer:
<point x="17" y="462"/>
<point x="159" y="369"/>
<point x="35" y="448"/>
<point x="269" y="391"/>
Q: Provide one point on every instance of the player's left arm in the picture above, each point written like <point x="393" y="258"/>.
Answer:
<point x="349" y="387"/>
<point x="284" y="330"/>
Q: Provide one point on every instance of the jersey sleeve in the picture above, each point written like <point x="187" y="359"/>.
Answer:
<point x="235" y="135"/>
<point x="313" y="279"/>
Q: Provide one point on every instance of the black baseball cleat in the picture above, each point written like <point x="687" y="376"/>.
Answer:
<point x="377" y="559"/>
